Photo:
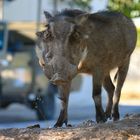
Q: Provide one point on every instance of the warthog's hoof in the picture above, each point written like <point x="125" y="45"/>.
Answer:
<point x="108" y="115"/>
<point x="101" y="119"/>
<point x="60" y="124"/>
<point x="116" y="116"/>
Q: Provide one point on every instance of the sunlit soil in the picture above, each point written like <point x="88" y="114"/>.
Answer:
<point x="131" y="88"/>
<point x="130" y="99"/>
<point x="131" y="93"/>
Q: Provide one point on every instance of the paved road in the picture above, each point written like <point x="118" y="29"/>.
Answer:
<point x="81" y="108"/>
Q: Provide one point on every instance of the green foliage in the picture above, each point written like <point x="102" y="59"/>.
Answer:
<point x="130" y="8"/>
<point x="83" y="4"/>
<point x="138" y="37"/>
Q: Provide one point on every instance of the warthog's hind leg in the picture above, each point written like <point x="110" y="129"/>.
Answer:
<point x="121" y="75"/>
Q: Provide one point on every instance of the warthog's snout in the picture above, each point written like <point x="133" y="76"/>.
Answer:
<point x="58" y="79"/>
<point x="48" y="70"/>
<point x="59" y="70"/>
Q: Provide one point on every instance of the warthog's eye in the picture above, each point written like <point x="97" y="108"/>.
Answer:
<point x="47" y="35"/>
<point x="75" y="36"/>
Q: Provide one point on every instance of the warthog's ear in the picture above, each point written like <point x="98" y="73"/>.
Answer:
<point x="81" y="19"/>
<point x="47" y="15"/>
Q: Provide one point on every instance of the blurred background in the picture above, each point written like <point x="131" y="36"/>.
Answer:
<point x="26" y="97"/>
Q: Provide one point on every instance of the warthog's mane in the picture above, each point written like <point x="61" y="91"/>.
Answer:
<point x="69" y="13"/>
<point x="102" y="16"/>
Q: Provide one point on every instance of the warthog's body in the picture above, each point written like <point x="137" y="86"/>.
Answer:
<point x="78" y="42"/>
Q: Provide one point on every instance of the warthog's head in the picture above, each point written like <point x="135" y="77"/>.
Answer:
<point x="61" y="47"/>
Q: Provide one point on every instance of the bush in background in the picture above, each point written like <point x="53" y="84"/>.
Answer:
<point x="138" y="37"/>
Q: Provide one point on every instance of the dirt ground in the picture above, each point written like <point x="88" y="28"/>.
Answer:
<point x="125" y="129"/>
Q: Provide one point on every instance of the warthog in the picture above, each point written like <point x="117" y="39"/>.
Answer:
<point x="79" y="42"/>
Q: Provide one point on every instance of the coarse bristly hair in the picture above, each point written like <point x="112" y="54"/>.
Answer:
<point x="69" y="13"/>
<point x="102" y="16"/>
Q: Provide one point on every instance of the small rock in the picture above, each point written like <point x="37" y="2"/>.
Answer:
<point x="69" y="125"/>
<point x="34" y="126"/>
<point x="130" y="116"/>
<point x="87" y="123"/>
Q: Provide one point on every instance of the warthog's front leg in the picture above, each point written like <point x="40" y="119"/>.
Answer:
<point x="97" y="84"/>
<point x="64" y="96"/>
<point x="109" y="87"/>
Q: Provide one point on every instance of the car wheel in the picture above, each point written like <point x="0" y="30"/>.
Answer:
<point x="45" y="107"/>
